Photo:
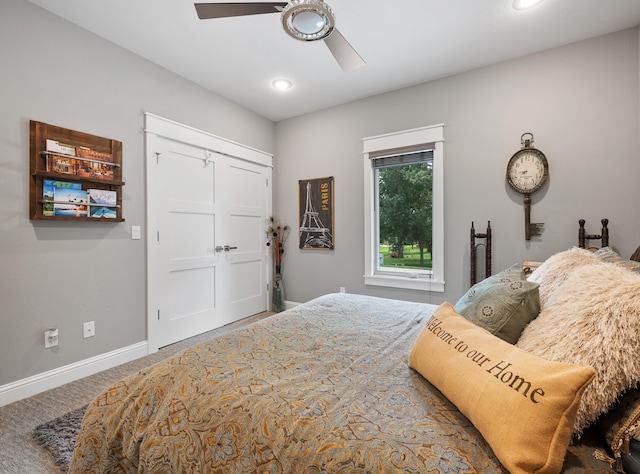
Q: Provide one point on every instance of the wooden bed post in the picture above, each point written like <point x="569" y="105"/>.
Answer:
<point x="474" y="246"/>
<point x="605" y="232"/>
<point x="583" y="236"/>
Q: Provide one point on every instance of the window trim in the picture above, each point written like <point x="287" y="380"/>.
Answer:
<point x="395" y="278"/>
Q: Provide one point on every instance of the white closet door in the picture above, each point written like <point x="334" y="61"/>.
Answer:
<point x="191" y="214"/>
<point x="246" y="197"/>
<point x="207" y="243"/>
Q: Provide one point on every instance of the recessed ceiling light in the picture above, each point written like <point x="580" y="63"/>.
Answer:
<point x="524" y="4"/>
<point x="282" y="84"/>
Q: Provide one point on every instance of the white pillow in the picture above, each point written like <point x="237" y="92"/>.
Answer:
<point x="593" y="319"/>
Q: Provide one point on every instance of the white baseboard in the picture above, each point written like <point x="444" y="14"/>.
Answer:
<point x="290" y="304"/>
<point x="35" y="384"/>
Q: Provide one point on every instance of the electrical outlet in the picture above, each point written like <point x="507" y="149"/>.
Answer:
<point x="343" y="289"/>
<point x="51" y="338"/>
<point x="89" y="329"/>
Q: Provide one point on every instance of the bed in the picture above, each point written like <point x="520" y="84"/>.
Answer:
<point x="327" y="386"/>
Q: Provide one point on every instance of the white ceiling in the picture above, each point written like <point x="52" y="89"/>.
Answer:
<point x="403" y="42"/>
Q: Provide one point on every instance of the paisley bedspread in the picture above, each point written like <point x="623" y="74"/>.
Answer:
<point x="323" y="387"/>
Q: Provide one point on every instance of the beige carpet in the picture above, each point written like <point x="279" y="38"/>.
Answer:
<point x="20" y="454"/>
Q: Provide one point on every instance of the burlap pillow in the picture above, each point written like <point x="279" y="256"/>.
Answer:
<point x="594" y="319"/>
<point x="557" y="268"/>
<point x="523" y="406"/>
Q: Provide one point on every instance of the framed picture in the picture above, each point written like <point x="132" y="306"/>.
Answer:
<point x="315" y="198"/>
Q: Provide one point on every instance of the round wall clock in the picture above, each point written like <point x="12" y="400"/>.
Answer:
<point x="528" y="168"/>
<point x="527" y="171"/>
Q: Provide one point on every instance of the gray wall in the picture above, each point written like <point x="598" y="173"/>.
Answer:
<point x="65" y="273"/>
<point x="579" y="101"/>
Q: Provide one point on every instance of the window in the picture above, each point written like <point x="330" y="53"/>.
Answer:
<point x="404" y="222"/>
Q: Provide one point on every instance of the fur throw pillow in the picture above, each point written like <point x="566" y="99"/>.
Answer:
<point x="593" y="319"/>
<point x="554" y="270"/>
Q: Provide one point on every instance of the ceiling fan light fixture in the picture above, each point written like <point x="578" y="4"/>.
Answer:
<point x="308" y="20"/>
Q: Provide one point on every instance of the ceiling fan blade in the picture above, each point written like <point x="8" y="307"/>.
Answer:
<point x="223" y="10"/>
<point x="347" y="57"/>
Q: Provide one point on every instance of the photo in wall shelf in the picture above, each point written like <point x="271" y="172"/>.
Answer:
<point x="47" y="197"/>
<point x="48" y="193"/>
<point x="54" y="146"/>
<point x="63" y="161"/>
<point x="84" y="152"/>
<point x="315" y="201"/>
<point x="62" y="164"/>
<point x="102" y="203"/>
<point x="95" y="164"/>
<point x="70" y="200"/>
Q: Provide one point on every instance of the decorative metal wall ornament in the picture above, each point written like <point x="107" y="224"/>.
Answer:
<point x="527" y="171"/>
<point x="315" y="198"/>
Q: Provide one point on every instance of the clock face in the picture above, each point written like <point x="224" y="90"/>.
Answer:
<point x="527" y="170"/>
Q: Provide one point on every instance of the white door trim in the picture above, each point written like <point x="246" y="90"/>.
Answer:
<point x="179" y="132"/>
<point x="156" y="126"/>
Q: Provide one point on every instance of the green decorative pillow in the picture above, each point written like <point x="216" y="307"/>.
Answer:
<point x="523" y="406"/>
<point x="503" y="304"/>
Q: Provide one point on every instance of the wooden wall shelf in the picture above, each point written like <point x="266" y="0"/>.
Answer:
<point x="74" y="176"/>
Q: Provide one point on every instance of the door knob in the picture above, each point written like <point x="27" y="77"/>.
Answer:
<point x="227" y="248"/>
<point x="219" y="248"/>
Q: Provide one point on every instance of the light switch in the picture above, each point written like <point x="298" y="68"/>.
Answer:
<point x="135" y="232"/>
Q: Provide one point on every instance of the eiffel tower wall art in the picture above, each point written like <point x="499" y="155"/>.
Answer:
<point x="315" y="197"/>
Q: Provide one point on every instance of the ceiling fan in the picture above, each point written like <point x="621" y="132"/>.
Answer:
<point x="304" y="20"/>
